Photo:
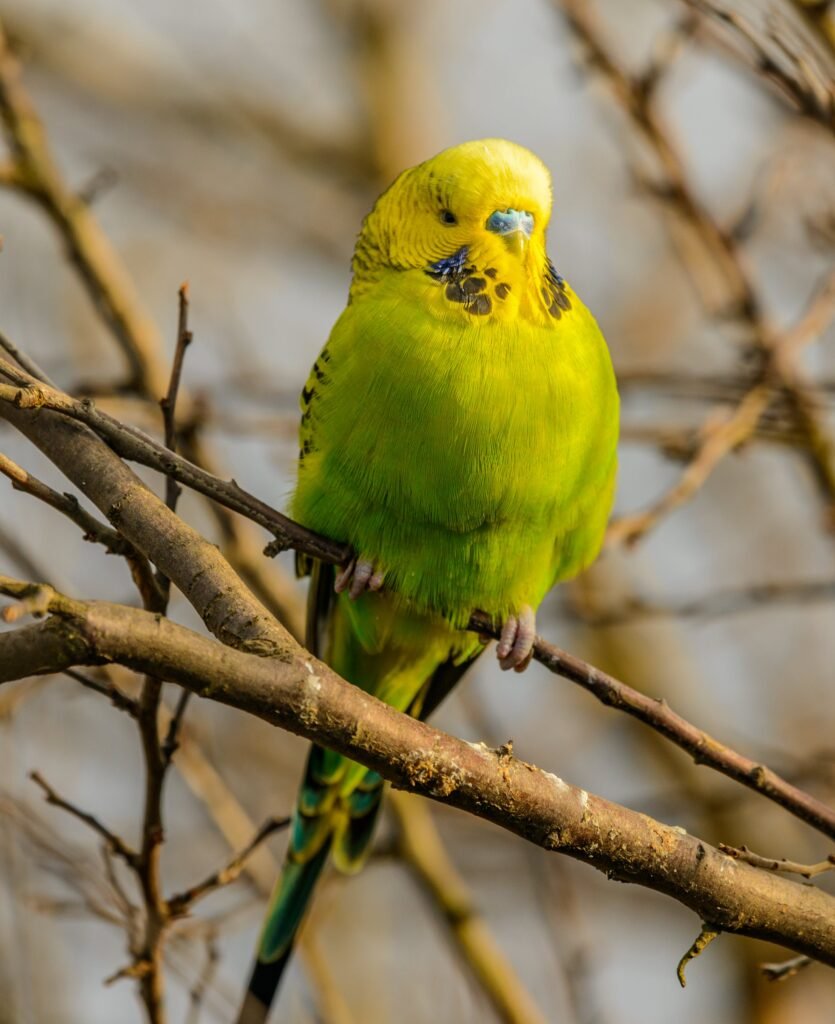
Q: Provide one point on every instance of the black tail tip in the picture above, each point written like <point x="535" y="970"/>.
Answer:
<point x="263" y="985"/>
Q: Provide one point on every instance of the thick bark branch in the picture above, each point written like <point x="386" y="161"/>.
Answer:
<point x="301" y="694"/>
<point x="193" y="564"/>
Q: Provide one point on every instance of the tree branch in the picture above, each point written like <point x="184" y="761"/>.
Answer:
<point x="303" y="695"/>
<point x="114" y="842"/>
<point x="136" y="446"/>
<point x="183" y="902"/>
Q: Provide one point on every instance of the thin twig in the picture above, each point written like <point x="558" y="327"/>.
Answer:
<point x="172" y="741"/>
<point x="132" y="444"/>
<point x="107" y="689"/>
<point x="24" y="360"/>
<point x="94" y="529"/>
<point x="169" y="402"/>
<point x="68" y="505"/>
<point x="114" y="842"/>
<point x="786" y="969"/>
<point x="770" y="864"/>
<point x="704" y="939"/>
<point x="658" y="715"/>
<point x="183" y="902"/>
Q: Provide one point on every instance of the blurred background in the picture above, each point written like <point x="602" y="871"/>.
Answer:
<point x="237" y="146"/>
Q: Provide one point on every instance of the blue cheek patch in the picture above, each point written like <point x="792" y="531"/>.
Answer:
<point x="462" y="283"/>
<point x="449" y="267"/>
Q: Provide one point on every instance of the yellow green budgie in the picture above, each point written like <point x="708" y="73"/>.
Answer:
<point x="459" y="431"/>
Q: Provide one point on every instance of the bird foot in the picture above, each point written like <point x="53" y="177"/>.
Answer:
<point x="515" y="648"/>
<point x="358" y="576"/>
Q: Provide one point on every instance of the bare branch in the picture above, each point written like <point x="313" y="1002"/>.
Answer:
<point x="770" y="864"/>
<point x="131" y="443"/>
<point x="114" y="842"/>
<point x="301" y="694"/>
<point x="23" y="360"/>
<point x="168" y="404"/>
<point x="67" y="505"/>
<point x="706" y="936"/>
<point x="658" y="715"/>
<point x="107" y="689"/>
<point x="786" y="969"/>
<point x="183" y="902"/>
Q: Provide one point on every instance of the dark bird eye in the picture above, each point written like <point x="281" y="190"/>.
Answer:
<point x="448" y="217"/>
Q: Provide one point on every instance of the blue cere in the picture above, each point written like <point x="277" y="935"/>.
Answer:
<point x="505" y="222"/>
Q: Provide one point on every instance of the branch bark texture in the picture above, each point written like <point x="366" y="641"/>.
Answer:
<point x="302" y="695"/>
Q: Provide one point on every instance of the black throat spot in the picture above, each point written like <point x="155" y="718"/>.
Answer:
<point x="463" y="283"/>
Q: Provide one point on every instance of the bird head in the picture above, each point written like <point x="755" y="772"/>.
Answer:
<point x="490" y="199"/>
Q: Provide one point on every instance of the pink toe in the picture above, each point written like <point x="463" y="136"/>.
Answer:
<point x="362" y="574"/>
<point x="525" y="635"/>
<point x="508" y="637"/>
<point x="344" y="577"/>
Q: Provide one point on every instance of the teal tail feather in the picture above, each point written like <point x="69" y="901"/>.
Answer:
<point x="339" y="800"/>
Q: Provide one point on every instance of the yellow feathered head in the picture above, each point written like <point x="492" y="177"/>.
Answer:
<point x="468" y="195"/>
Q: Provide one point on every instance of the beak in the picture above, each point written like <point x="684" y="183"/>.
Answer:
<point x="514" y="226"/>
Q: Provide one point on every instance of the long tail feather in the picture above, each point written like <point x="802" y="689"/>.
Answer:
<point x="339" y="800"/>
<point x="287" y="906"/>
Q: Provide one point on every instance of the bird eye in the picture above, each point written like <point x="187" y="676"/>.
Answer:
<point x="448" y="217"/>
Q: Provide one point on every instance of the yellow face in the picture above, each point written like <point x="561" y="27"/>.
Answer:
<point x="473" y="218"/>
<point x="466" y="196"/>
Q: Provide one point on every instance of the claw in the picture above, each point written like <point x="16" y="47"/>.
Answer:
<point x="358" y="576"/>
<point x="515" y="648"/>
<point x="343" y="578"/>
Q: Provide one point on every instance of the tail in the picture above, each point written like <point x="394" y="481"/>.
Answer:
<point x="287" y="906"/>
<point x="406" y="664"/>
<point x="335" y="813"/>
<point x="325" y="821"/>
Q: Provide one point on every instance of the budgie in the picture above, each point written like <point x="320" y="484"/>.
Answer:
<point x="459" y="430"/>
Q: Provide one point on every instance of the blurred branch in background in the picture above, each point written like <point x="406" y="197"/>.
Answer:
<point x="113" y="294"/>
<point x="778" y="52"/>
<point x="719" y="257"/>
